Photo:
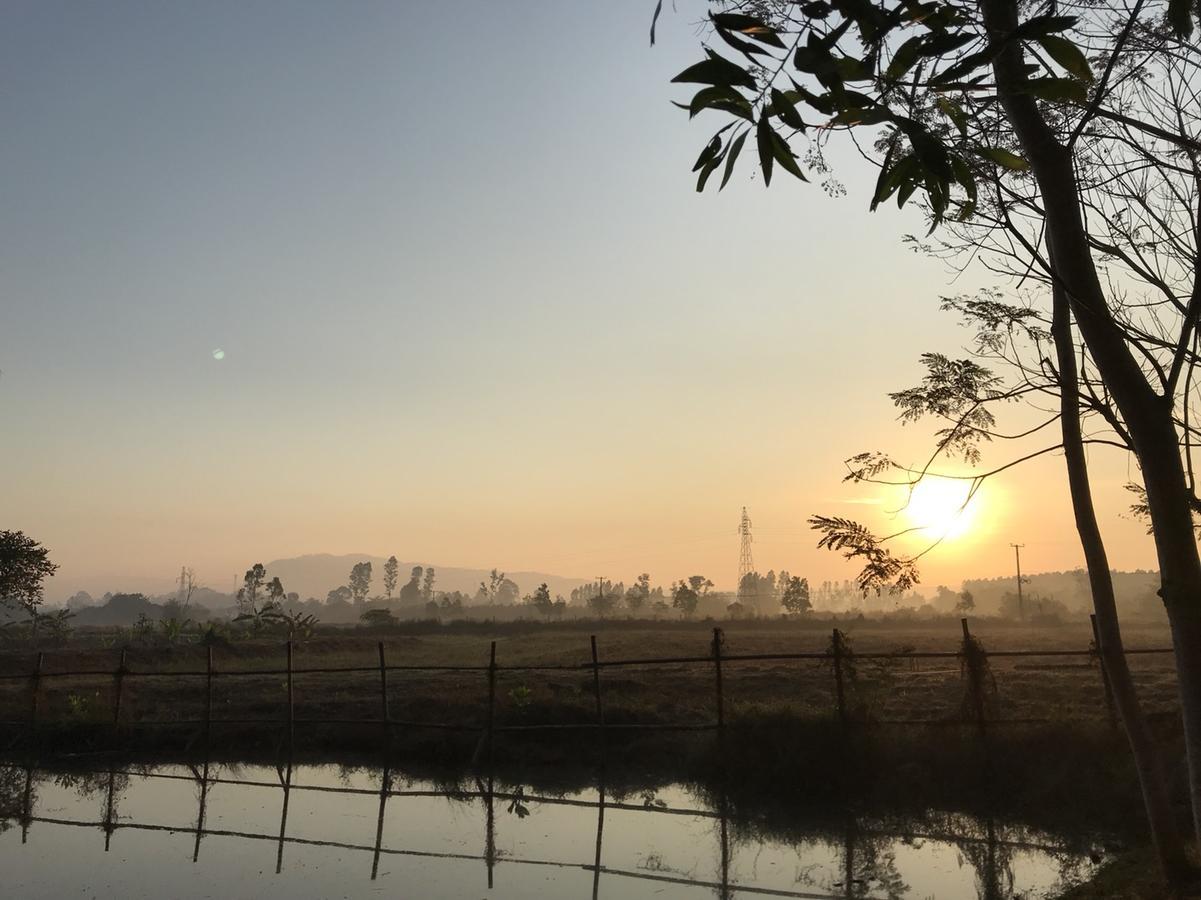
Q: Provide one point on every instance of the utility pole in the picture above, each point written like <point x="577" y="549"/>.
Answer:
<point x="1017" y="555"/>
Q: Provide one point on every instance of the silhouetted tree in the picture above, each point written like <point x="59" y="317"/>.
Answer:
<point x="251" y="589"/>
<point x="639" y="593"/>
<point x="685" y="597"/>
<point x="1001" y="95"/>
<point x="24" y="565"/>
<point x="391" y="576"/>
<point x="427" y="584"/>
<point x="541" y="600"/>
<point x="360" y="582"/>
<point x="411" y="592"/>
<point x="795" y="598"/>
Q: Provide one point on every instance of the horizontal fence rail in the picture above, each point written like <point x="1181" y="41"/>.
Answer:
<point x="839" y="657"/>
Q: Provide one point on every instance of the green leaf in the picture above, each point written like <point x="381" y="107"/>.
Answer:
<point x="735" y="149"/>
<point x="783" y="107"/>
<point x="955" y="113"/>
<point x="749" y="26"/>
<point x="1067" y="55"/>
<point x="723" y="98"/>
<point x="1058" y="90"/>
<point x="942" y="44"/>
<point x="767" y="157"/>
<point x="707" y="154"/>
<point x="784" y="155"/>
<point x="903" y="60"/>
<point x="1037" y="26"/>
<point x="716" y="70"/>
<point x="1005" y="159"/>
<point x="746" y="48"/>
<point x="882" y="178"/>
<point x="856" y="116"/>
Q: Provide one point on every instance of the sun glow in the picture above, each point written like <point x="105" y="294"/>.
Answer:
<point x="942" y="508"/>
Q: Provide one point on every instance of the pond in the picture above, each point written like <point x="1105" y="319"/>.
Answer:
<point x="327" y="831"/>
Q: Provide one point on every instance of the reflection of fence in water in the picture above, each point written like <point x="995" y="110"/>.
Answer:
<point x="486" y="793"/>
<point x="839" y="658"/>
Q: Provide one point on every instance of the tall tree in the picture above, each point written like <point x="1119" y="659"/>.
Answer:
<point x="251" y="589"/>
<point x="24" y="566"/>
<point x="541" y="600"/>
<point x="795" y="598"/>
<point x="391" y="576"/>
<point x="427" y="584"/>
<point x="1001" y="95"/>
<point x="360" y="582"/>
<point x="411" y="592"/>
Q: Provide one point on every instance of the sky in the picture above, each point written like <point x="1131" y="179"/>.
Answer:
<point x="433" y="280"/>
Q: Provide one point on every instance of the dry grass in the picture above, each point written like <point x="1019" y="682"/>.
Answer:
<point x="1061" y="689"/>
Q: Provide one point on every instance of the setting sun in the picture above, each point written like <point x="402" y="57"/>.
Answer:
<point x="940" y="507"/>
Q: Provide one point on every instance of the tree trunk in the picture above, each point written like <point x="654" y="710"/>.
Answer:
<point x="1147" y="414"/>
<point x="1165" y="833"/>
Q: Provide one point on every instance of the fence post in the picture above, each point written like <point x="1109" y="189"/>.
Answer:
<point x="208" y="699"/>
<point x="839" y="688"/>
<point x="972" y="660"/>
<point x="721" y="700"/>
<point x="596" y="688"/>
<point x="1109" y="708"/>
<point x="491" y="694"/>
<point x="120" y="676"/>
<point x="37" y="686"/>
<point x="291" y="715"/>
<point x="383" y="691"/>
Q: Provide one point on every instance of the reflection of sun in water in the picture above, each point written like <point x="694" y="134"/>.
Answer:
<point x="936" y="506"/>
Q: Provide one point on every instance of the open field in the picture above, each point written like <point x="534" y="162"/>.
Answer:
<point x="1056" y="688"/>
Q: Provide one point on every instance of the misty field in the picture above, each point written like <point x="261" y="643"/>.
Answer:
<point x="1061" y="689"/>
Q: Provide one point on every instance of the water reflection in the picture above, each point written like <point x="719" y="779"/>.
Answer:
<point x="219" y="830"/>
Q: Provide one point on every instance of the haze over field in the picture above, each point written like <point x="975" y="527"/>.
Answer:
<point x="311" y="282"/>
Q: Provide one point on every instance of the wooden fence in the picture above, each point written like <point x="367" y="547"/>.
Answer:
<point x="725" y="887"/>
<point x="972" y="657"/>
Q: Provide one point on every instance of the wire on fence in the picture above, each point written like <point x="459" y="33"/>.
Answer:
<point x="972" y="656"/>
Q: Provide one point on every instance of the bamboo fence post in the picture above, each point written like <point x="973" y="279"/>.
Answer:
<point x="600" y="831"/>
<point x="291" y="710"/>
<point x="120" y="677"/>
<point x="385" y="788"/>
<point x="721" y="701"/>
<point x="1109" y="707"/>
<point x="491" y="694"/>
<point x="973" y="656"/>
<point x="109" y="821"/>
<point x="204" y="789"/>
<point x="283" y="816"/>
<point x="208" y="701"/>
<point x="490" y="824"/>
<point x="36" y="682"/>
<point x="27" y="803"/>
<point x="839" y="688"/>
<point x="383" y="692"/>
<point x="596" y="687"/>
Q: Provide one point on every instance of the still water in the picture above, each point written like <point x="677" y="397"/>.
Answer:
<point x="327" y="832"/>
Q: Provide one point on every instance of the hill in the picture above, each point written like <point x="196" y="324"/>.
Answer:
<point x="316" y="574"/>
